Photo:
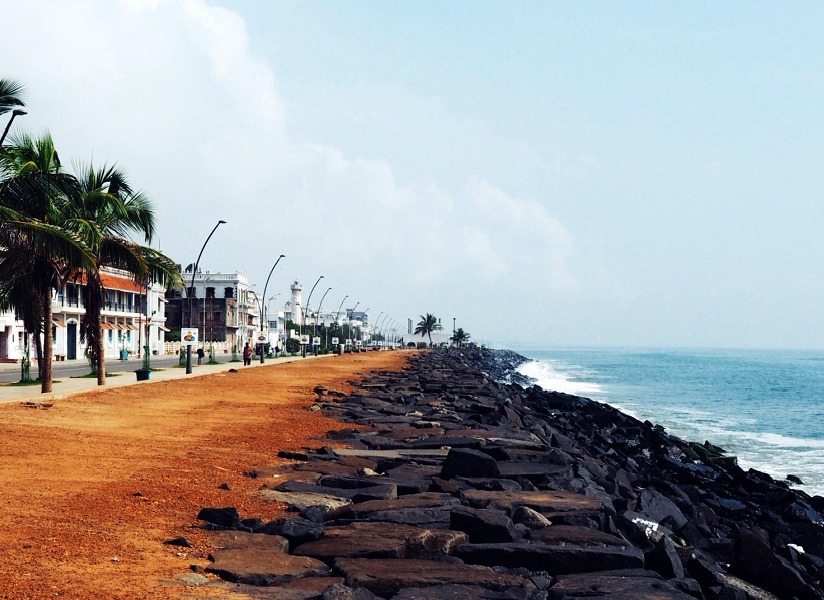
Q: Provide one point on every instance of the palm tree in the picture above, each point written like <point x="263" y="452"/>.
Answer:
<point x="10" y="95"/>
<point x="104" y="212"/>
<point x="460" y="337"/>
<point x="36" y="251"/>
<point x="427" y="325"/>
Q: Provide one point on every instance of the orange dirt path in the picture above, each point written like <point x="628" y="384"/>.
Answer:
<point x="92" y="486"/>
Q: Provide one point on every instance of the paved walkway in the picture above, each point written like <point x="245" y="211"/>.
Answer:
<point x="68" y="386"/>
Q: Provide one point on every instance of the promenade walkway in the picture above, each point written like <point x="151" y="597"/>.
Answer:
<point x="69" y="386"/>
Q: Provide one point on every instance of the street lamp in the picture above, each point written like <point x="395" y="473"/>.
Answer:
<point x="315" y="329"/>
<point x="360" y="329"/>
<point x="260" y="311"/>
<point x="305" y="310"/>
<point x="264" y="298"/>
<point x="337" y="315"/>
<point x="375" y="328"/>
<point x="189" y="294"/>
<point x="16" y="113"/>
<point x="277" y="319"/>
<point x="349" y="323"/>
<point x="377" y="324"/>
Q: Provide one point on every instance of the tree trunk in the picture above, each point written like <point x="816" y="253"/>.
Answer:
<point x="46" y="371"/>
<point x="38" y="352"/>
<point x="101" y="350"/>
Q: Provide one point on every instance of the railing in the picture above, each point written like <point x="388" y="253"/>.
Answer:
<point x="220" y="347"/>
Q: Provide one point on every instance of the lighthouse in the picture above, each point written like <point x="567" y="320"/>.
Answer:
<point x="295" y="308"/>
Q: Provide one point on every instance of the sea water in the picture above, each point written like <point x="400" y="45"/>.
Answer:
<point x="765" y="407"/>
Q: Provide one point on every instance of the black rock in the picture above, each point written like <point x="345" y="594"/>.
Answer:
<point x="225" y="518"/>
<point x="465" y="462"/>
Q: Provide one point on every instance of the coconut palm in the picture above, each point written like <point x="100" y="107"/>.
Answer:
<point x="36" y="252"/>
<point x="10" y="95"/>
<point x="427" y="325"/>
<point x="104" y="211"/>
<point x="460" y="337"/>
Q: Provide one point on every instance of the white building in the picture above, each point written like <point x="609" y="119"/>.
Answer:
<point x="222" y="306"/>
<point x="133" y="316"/>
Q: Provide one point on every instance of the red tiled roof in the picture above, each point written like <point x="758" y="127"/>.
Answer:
<point x="112" y="282"/>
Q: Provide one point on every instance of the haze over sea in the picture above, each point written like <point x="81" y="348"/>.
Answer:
<point x="764" y="406"/>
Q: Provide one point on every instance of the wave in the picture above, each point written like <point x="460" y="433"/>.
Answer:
<point x="776" y="439"/>
<point x="552" y="375"/>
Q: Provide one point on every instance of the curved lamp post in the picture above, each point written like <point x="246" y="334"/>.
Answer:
<point x="349" y="323"/>
<point x="315" y="328"/>
<point x="337" y="315"/>
<point x="16" y="113"/>
<point x="306" y="310"/>
<point x="360" y="329"/>
<point x="265" y="285"/>
<point x="277" y="320"/>
<point x="378" y="324"/>
<point x="375" y="328"/>
<point x="189" y="294"/>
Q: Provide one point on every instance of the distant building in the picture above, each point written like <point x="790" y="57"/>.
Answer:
<point x="220" y="305"/>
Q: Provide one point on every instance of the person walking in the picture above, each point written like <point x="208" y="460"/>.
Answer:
<point x="247" y="354"/>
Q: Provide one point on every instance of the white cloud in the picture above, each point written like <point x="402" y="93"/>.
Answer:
<point x="172" y="91"/>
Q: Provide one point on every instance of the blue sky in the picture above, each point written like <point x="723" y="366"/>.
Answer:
<point x="623" y="174"/>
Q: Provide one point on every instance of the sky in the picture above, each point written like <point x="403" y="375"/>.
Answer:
<point x="546" y="174"/>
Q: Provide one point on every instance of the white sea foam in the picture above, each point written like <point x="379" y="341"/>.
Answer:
<point x="776" y="439"/>
<point x="551" y="375"/>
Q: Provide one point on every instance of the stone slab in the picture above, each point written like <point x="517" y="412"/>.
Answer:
<point x="594" y="585"/>
<point x="385" y="577"/>
<point x="556" y="559"/>
<point x="542" y="501"/>
<point x="302" y="501"/>
<point x="256" y="566"/>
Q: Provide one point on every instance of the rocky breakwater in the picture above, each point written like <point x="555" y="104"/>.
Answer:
<point x="454" y="485"/>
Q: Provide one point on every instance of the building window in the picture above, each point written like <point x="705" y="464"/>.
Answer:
<point x="210" y="292"/>
<point x="228" y="292"/>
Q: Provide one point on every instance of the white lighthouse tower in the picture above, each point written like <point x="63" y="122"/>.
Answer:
<point x="294" y="307"/>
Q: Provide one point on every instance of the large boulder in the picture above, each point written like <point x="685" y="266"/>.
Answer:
<point x="466" y="462"/>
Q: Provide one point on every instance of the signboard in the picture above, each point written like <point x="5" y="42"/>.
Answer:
<point x="358" y="343"/>
<point x="335" y="341"/>
<point x="304" y="339"/>
<point x="261" y="337"/>
<point x="293" y="334"/>
<point x="316" y="341"/>
<point x="188" y="336"/>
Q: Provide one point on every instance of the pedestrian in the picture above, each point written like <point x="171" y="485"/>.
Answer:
<point x="200" y="355"/>
<point x="247" y="354"/>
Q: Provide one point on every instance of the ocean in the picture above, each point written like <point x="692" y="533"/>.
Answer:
<point x="764" y="406"/>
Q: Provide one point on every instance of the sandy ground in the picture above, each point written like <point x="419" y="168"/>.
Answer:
<point x="92" y="486"/>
